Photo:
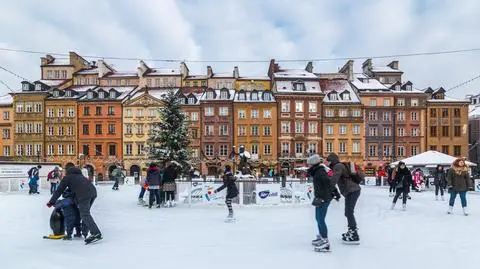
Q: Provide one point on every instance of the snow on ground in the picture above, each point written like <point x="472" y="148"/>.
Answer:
<point x="264" y="237"/>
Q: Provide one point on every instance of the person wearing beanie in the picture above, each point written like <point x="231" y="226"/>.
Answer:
<point x="402" y="178"/>
<point x="350" y="190"/>
<point x="232" y="190"/>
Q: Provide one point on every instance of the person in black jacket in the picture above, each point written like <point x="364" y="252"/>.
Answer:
<point x="391" y="181"/>
<point x="403" y="179"/>
<point x="153" y="182"/>
<point x="168" y="183"/>
<point x="440" y="181"/>
<point x="84" y="195"/>
<point x="324" y="193"/>
<point x="232" y="190"/>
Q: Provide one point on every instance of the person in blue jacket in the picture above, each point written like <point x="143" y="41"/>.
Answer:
<point x="71" y="214"/>
<point x="33" y="177"/>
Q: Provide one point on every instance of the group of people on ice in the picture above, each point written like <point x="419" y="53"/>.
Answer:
<point x="457" y="181"/>
<point x="160" y="182"/>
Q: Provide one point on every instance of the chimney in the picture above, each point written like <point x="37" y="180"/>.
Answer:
<point x="309" y="67"/>
<point x="184" y="71"/>
<point x="367" y="67"/>
<point x="103" y="69"/>
<point x="209" y="71"/>
<point x="393" y="65"/>
<point x="47" y="59"/>
<point x="271" y="68"/>
<point x="142" y="69"/>
<point x="236" y="74"/>
<point x="347" y="69"/>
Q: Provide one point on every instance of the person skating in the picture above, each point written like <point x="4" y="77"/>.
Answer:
<point x="71" y="215"/>
<point x="403" y="179"/>
<point x="391" y="181"/>
<point x="440" y="181"/>
<point x="168" y="183"/>
<point x="153" y="182"/>
<point x="232" y="190"/>
<point x="85" y="194"/>
<point x="458" y="182"/>
<point x="143" y="189"/>
<point x="350" y="190"/>
<point x="117" y="174"/>
<point x="33" y="177"/>
<point x="323" y="195"/>
<point x="54" y="178"/>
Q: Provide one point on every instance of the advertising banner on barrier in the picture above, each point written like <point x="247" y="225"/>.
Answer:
<point x="370" y="181"/>
<point x="303" y="192"/>
<point x="477" y="185"/>
<point x="209" y="195"/>
<point x="268" y="194"/>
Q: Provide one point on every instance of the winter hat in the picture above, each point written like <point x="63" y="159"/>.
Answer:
<point x="333" y="158"/>
<point x="314" y="159"/>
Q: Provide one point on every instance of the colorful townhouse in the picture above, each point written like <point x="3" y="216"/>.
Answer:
<point x="6" y="125"/>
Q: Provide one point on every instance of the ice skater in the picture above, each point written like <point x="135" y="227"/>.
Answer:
<point x="440" y="181"/>
<point x="71" y="215"/>
<point x="232" y="191"/>
<point x="168" y="183"/>
<point x="54" y="178"/>
<point x="402" y="179"/>
<point x="458" y="182"/>
<point x="153" y="182"/>
<point x="33" y="177"/>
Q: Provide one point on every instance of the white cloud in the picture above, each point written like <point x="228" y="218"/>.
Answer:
<point x="245" y="30"/>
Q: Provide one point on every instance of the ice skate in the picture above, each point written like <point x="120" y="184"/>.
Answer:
<point x="141" y="202"/>
<point x="351" y="237"/>
<point x="68" y="237"/>
<point x="322" y="246"/>
<point x="436" y="198"/>
<point x="93" y="238"/>
<point x="450" y="210"/>
<point x="317" y="240"/>
<point x="465" y="211"/>
<point x="392" y="206"/>
<point x="391" y="194"/>
<point x="404" y="207"/>
<point x="230" y="218"/>
<point x="443" y="198"/>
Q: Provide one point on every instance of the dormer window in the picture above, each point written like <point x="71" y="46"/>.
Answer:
<point x="210" y="95"/>
<point x="191" y="100"/>
<point x="241" y="96"/>
<point x="255" y="95"/>
<point x="397" y="87"/>
<point x="223" y="94"/>
<point x="56" y="93"/>
<point x="26" y="87"/>
<point x="409" y="88"/>
<point x="68" y="93"/>
<point x="113" y="94"/>
<point x="299" y="86"/>
<point x="182" y="101"/>
<point x="346" y="96"/>
<point x="90" y="95"/>
<point x="333" y="96"/>
<point x="38" y="87"/>
<point x="101" y="95"/>
<point x="267" y="96"/>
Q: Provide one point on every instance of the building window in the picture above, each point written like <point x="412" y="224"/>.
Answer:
<point x="342" y="147"/>
<point x="129" y="112"/>
<point x="194" y="134"/>
<point x="356" y="113"/>
<point x="312" y="148"/>
<point x="101" y="95"/>
<point x="98" y="129"/>
<point x="223" y="95"/>
<point x="386" y="102"/>
<point x="267" y="149"/>
<point x="433" y="112"/>
<point x="329" y="113"/>
<point x="86" y="111"/>
<point x="140" y="113"/>
<point x="98" y="111"/>
<point x="111" y="111"/>
<point x="387" y="150"/>
<point x="6" y="133"/>
<point x="387" y="131"/>
<point x="38" y="149"/>
<point x="85" y="129"/>
<point x="401" y="132"/>
<point x="445" y="132"/>
<point x="373" y="102"/>
<point x="456" y="113"/>
<point x="343" y="129"/>
<point x="372" y="116"/>
<point x="191" y="100"/>
<point x="112" y="150"/>
<point x="457" y="150"/>
<point x="60" y="131"/>
<point x="19" y="128"/>
<point x="38" y="108"/>
<point x="60" y="113"/>
<point x="299" y="127"/>
<point x="223" y="130"/>
<point x="223" y="150"/>
<point x="50" y="113"/>
<point x="210" y="96"/>
<point x="194" y="116"/>
<point x="70" y="131"/>
<point x="19" y="150"/>
<point x="6" y="151"/>
<point x="28" y="108"/>
<point x="140" y="149"/>
<point x="401" y="116"/>
<point x="60" y="150"/>
<point x="433" y="148"/>
<point x="152" y="113"/>
<point x="372" y="151"/>
<point x="50" y="150"/>
<point x="71" y="112"/>
<point x="139" y="128"/>
<point x="111" y="128"/>
<point x="401" y="151"/>
<point x="285" y="106"/>
<point x="267" y="114"/>
<point x="356" y="129"/>
<point x="415" y="132"/>
<point x="328" y="147"/>
<point x="433" y="131"/>
<point x="19" y="108"/>
<point x="128" y="128"/>
<point x="356" y="147"/>
<point x="312" y="127"/>
<point x="254" y="130"/>
<point x="209" y="111"/>
<point x="38" y="128"/>
<point x="414" y="102"/>
<point x="285" y="127"/>
<point x="414" y="150"/>
<point x="445" y="149"/>
<point x="254" y="113"/>
<point x="267" y="130"/>
<point x="343" y="113"/>
<point x="241" y="131"/>
<point x="285" y="147"/>
<point x="241" y="114"/>
<point x="386" y="116"/>
<point x="29" y="128"/>
<point x="299" y="106"/>
<point x="254" y="149"/>
<point x="372" y="131"/>
<point x="444" y="112"/>
<point x="401" y="102"/>
<point x="329" y="130"/>
<point x="457" y="131"/>
<point x="414" y="116"/>
<point x="29" y="151"/>
<point x="128" y="149"/>
<point x="312" y="107"/>
<point x="298" y="148"/>
<point x="209" y="150"/>
<point x="208" y="130"/>
<point x="223" y="111"/>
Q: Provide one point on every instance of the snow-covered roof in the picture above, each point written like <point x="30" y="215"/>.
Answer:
<point x="77" y="91"/>
<point x="447" y="99"/>
<point x="122" y="74"/>
<point x="222" y="75"/>
<point x="294" y="73"/>
<point x="217" y="96"/>
<point x="52" y="82"/>
<point x="287" y="86"/>
<point x="413" y="91"/>
<point x="249" y="97"/>
<point x="254" y="78"/>
<point x="364" y="83"/>
<point x="163" y="72"/>
<point x="60" y="61"/>
<point x="123" y="91"/>
<point x="89" y="71"/>
<point x="431" y="157"/>
<point x="196" y="77"/>
<point x="385" y="69"/>
<point x="474" y="111"/>
<point x="339" y="91"/>
<point x="6" y="100"/>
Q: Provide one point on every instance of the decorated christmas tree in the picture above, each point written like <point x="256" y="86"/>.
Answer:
<point x="169" y="139"/>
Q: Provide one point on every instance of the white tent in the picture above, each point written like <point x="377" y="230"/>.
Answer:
<point x="431" y="158"/>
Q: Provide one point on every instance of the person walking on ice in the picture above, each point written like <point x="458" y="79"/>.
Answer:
<point x="232" y="191"/>
<point x="458" y="182"/>
<point x="439" y="181"/>
<point x="402" y="179"/>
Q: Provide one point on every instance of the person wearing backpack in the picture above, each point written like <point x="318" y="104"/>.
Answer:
<point x="54" y="178"/>
<point x="403" y="179"/>
<point x="33" y="177"/>
<point x="348" y="179"/>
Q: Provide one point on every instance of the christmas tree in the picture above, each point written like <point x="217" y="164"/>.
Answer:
<point x="169" y="139"/>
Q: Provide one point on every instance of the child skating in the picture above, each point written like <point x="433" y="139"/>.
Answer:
<point x="71" y="215"/>
<point x="232" y="191"/>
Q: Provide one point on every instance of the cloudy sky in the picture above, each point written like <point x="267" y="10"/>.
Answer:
<point x="248" y="30"/>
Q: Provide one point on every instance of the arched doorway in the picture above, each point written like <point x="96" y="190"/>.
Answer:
<point x="212" y="170"/>
<point x="135" y="172"/>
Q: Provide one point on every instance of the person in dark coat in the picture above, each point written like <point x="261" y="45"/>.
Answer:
<point x="323" y="192"/>
<point x="153" y="181"/>
<point x="350" y="190"/>
<point x="458" y="182"/>
<point x="84" y="195"/>
<point x="440" y="181"/>
<point x="33" y="177"/>
<point x="71" y="214"/>
<point x="391" y="181"/>
<point x="232" y="190"/>
<point x="168" y="183"/>
<point x="403" y="179"/>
